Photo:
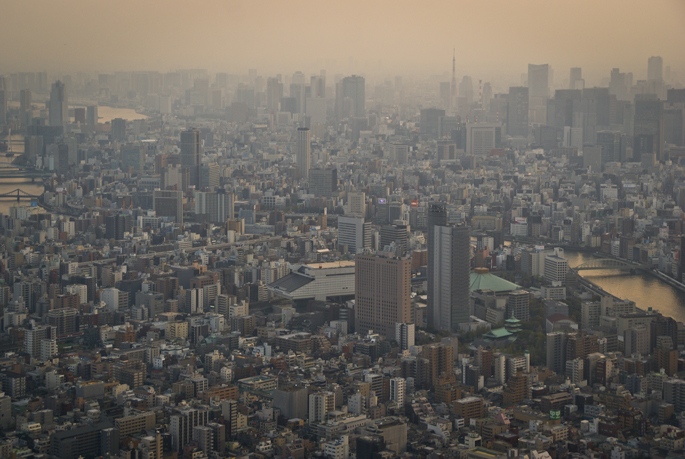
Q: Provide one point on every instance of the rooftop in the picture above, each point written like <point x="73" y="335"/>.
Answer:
<point x="482" y="279"/>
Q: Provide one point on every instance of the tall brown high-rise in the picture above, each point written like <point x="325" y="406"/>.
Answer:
<point x="441" y="362"/>
<point x="382" y="294"/>
<point x="191" y="154"/>
<point x="516" y="390"/>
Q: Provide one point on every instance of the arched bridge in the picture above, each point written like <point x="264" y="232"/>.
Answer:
<point x="606" y="263"/>
<point x="17" y="193"/>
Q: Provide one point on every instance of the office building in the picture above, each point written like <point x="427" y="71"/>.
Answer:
<point x="191" y="152"/>
<point x="25" y="108"/>
<point x="118" y="130"/>
<point x="92" y="117"/>
<point x="356" y="204"/>
<point x="58" y="105"/>
<point x="396" y="234"/>
<point x="556" y="352"/>
<point x="574" y="370"/>
<point x="517" y="305"/>
<point x="210" y="176"/>
<point x="404" y="335"/>
<point x="303" y="154"/>
<point x="182" y="423"/>
<point x="575" y="80"/>
<point x="440" y="363"/>
<point x="34" y="337"/>
<point x="319" y="405"/>
<point x="517" y="112"/>
<point x="84" y="441"/>
<point x="168" y="203"/>
<point x="216" y="206"/>
<point x="194" y="300"/>
<point x="610" y="143"/>
<point x="292" y="401"/>
<point x="538" y="92"/>
<point x="469" y="408"/>
<point x="64" y="319"/>
<point x="538" y="80"/>
<point x="449" y="275"/>
<point x="562" y="109"/>
<point x="516" y="390"/>
<point x="382" y="294"/>
<point x="274" y="94"/>
<point x="135" y="423"/>
<point x="323" y="182"/>
<point x="437" y="216"/>
<point x="648" y="127"/>
<point x="133" y="156"/>
<point x="117" y="225"/>
<point x="337" y="448"/>
<point x="430" y="122"/>
<point x="398" y="388"/>
<point x="481" y="138"/>
<point x="556" y="267"/>
<point x="354" y="233"/>
<point x="3" y="106"/>
<point x="636" y="341"/>
<point x="655" y="68"/>
<point x="353" y="89"/>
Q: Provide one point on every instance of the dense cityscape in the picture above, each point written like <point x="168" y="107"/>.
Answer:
<point x="204" y="265"/>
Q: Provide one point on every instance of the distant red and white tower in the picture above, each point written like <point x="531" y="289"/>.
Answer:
<point x="453" y="88"/>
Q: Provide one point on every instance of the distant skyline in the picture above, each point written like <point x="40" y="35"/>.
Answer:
<point x="400" y="37"/>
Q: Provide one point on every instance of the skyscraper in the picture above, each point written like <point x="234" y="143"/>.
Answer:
<point x="117" y="225"/>
<point x="655" y="68"/>
<point x="303" y="152"/>
<point x="353" y="88"/>
<point x="59" y="105"/>
<point x="648" y="127"/>
<point x="118" y="130"/>
<point x="430" y="121"/>
<point x="191" y="151"/>
<point x="354" y="233"/>
<point x="610" y="141"/>
<point x="538" y="80"/>
<point x="168" y="203"/>
<point x="217" y="206"/>
<point x="517" y="112"/>
<point x="451" y="276"/>
<point x="92" y="115"/>
<point x="576" y="78"/>
<point x="34" y="337"/>
<point x="437" y="216"/>
<point x="133" y="155"/>
<point x="323" y="182"/>
<point x="274" y="94"/>
<point x="25" y="107"/>
<point x="3" y="107"/>
<point x="182" y="425"/>
<point x="382" y="294"/>
<point x="538" y="92"/>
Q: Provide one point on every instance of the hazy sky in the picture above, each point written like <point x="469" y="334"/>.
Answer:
<point x="380" y="36"/>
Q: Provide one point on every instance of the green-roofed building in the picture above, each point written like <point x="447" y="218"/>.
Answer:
<point x="482" y="279"/>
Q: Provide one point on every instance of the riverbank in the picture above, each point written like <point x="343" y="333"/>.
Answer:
<point x="645" y="287"/>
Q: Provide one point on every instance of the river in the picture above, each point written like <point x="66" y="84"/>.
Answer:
<point x="642" y="288"/>
<point x="105" y="114"/>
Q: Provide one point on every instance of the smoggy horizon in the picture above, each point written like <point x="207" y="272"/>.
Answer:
<point x="493" y="38"/>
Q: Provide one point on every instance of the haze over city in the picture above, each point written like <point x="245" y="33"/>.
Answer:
<point x="401" y="37"/>
<point x="342" y="229"/>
